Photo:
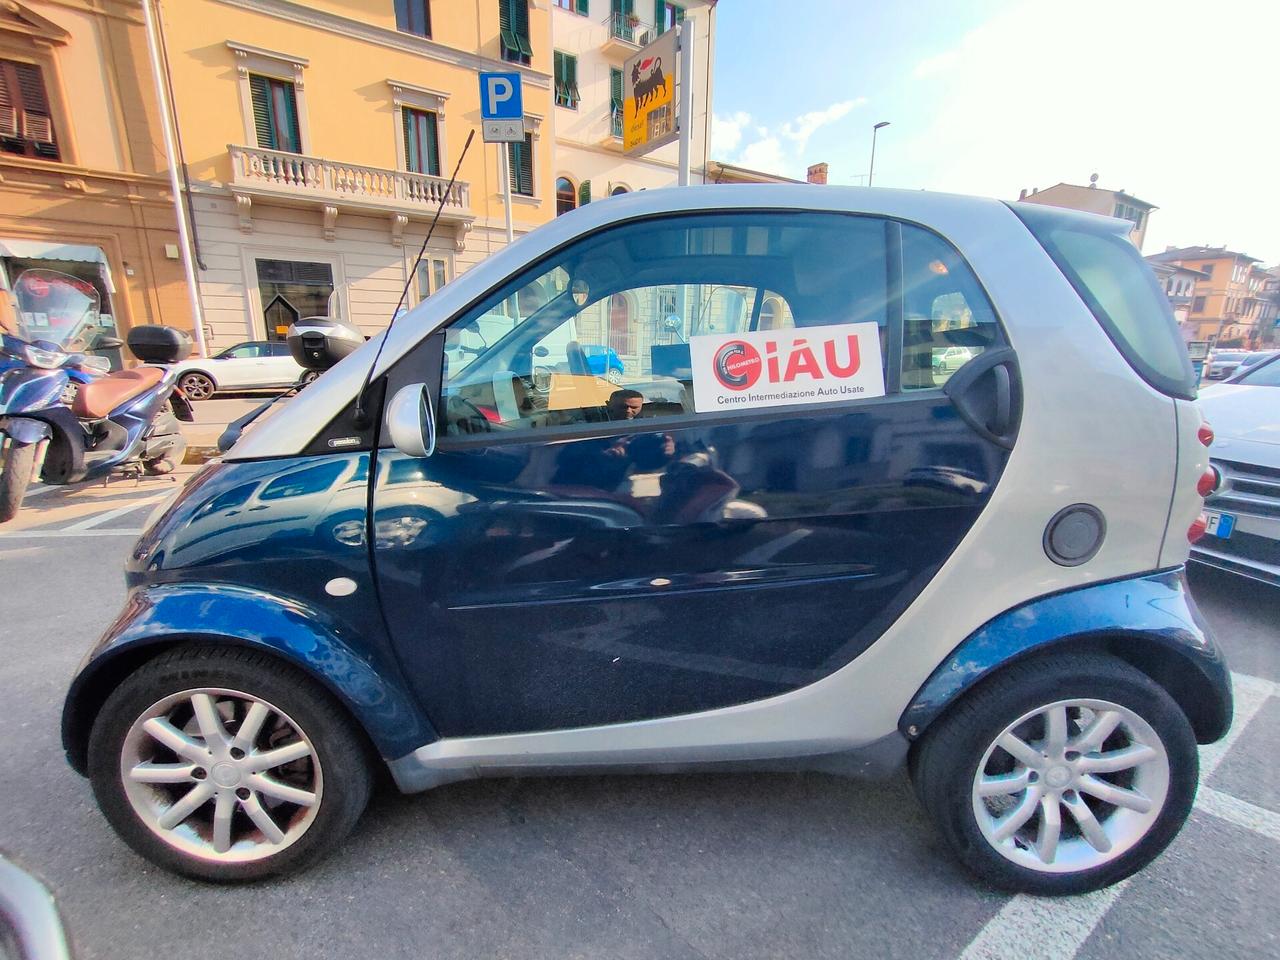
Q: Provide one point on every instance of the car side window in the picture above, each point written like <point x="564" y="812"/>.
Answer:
<point x="947" y="319"/>
<point x="243" y="351"/>
<point x="603" y="330"/>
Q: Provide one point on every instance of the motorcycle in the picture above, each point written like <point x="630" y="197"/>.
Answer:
<point x="82" y="368"/>
<point x="122" y="422"/>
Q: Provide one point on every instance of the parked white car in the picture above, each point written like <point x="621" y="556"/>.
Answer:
<point x="253" y="365"/>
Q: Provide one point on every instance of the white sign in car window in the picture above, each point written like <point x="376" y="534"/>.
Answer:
<point x="781" y="367"/>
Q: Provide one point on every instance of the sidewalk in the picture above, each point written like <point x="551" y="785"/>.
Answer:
<point x="212" y="417"/>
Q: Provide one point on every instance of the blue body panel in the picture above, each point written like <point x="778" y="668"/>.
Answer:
<point x="665" y="569"/>
<point x="1155" y="611"/>
<point x="243" y="556"/>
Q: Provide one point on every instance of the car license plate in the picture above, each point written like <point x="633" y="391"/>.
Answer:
<point x="1220" y="524"/>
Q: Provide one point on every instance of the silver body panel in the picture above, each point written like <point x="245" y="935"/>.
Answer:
<point x="1075" y="383"/>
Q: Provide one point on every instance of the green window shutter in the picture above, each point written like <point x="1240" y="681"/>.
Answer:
<point x="659" y="15"/>
<point x="584" y="192"/>
<point x="411" y="159"/>
<point x="292" y="141"/>
<point x="521" y="26"/>
<point x="571" y="75"/>
<point x="520" y="166"/>
<point x="506" y="19"/>
<point x="432" y="141"/>
<point x="615" y="88"/>
<point x="679" y="14"/>
<point x="260" y="94"/>
<point x="582" y="8"/>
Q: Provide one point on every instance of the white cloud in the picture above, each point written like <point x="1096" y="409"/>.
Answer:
<point x="726" y="132"/>
<point x="804" y="126"/>
<point x="938" y="64"/>
<point x="738" y="139"/>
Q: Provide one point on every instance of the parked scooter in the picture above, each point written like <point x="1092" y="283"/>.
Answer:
<point x="122" y="422"/>
<point x="81" y="368"/>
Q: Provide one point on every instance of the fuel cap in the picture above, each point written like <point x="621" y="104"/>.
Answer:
<point x="1075" y="534"/>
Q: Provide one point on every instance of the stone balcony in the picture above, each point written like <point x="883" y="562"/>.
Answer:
<point x="335" y="186"/>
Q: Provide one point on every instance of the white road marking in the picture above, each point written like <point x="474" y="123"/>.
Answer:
<point x="1059" y="926"/>
<point x="39" y="491"/>
<point x="67" y="534"/>
<point x="107" y="516"/>
<point x="1240" y="812"/>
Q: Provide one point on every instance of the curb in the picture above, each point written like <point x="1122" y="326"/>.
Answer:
<point x="200" y="454"/>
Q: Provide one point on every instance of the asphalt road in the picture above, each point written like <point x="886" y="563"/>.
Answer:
<point x="729" y="866"/>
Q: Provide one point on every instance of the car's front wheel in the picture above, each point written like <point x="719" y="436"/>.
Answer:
<point x="223" y="764"/>
<point x="1059" y="775"/>
<point x="197" y="386"/>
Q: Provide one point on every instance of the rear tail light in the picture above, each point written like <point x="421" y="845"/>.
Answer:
<point x="1205" y="433"/>
<point x="1208" y="481"/>
<point x="1197" y="528"/>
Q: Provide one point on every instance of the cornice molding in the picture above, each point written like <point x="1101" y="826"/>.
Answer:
<point x="359" y="30"/>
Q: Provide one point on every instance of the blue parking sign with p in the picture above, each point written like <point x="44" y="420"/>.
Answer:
<point x="500" y="96"/>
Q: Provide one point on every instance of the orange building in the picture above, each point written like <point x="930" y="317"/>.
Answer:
<point x="1231" y="305"/>
<point x="83" y="183"/>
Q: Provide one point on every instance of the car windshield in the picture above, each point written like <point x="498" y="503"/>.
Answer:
<point x="1265" y="374"/>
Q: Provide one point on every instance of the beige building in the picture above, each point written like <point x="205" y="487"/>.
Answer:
<point x="320" y="137"/>
<point x="1093" y="199"/>
<point x="592" y="40"/>
<point x="83" y="185"/>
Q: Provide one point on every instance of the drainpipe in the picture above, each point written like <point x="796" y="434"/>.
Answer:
<point x="171" y="155"/>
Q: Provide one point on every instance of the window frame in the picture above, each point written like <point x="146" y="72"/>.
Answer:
<point x="409" y="129"/>
<point x="272" y="119"/>
<point x="403" y="25"/>
<point x="514" y="43"/>
<point x="30" y="146"/>
<point x="432" y="363"/>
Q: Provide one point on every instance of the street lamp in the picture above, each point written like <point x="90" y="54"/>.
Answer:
<point x="874" y="130"/>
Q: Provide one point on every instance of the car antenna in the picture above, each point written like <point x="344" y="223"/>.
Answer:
<point x="361" y="413"/>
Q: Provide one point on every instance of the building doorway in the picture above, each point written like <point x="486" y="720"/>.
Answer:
<point x="290" y="290"/>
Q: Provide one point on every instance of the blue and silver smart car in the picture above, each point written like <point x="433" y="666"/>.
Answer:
<point x="787" y="537"/>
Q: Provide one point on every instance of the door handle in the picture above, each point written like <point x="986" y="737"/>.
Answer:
<point x="987" y="394"/>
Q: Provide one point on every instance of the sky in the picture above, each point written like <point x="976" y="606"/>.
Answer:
<point x="1176" y="103"/>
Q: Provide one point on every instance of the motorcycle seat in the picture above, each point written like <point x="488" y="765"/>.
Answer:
<point x="97" y="399"/>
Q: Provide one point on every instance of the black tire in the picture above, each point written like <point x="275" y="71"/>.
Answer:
<point x="945" y="762"/>
<point x="309" y="376"/>
<point x="342" y="751"/>
<point x="196" y="385"/>
<point x="16" y="465"/>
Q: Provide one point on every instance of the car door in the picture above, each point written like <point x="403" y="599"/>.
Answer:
<point x="744" y="516"/>
<point x="279" y="366"/>
<point x="238" y="366"/>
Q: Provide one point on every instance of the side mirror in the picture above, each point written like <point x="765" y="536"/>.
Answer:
<point x="541" y="351"/>
<point x="107" y="343"/>
<point x="411" y="421"/>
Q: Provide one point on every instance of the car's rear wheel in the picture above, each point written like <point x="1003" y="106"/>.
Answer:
<point x="1059" y="775"/>
<point x="223" y="764"/>
<point x="614" y="376"/>
<point x="197" y="386"/>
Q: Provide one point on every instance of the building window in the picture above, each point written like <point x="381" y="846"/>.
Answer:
<point x="275" y="114"/>
<point x="520" y="166"/>
<point x="667" y="15"/>
<point x="1197" y="305"/>
<point x="574" y="6"/>
<point x="618" y="191"/>
<point x="432" y="275"/>
<point x="615" y="101"/>
<point x="413" y="16"/>
<point x="421" y="142"/>
<point x="566" y="196"/>
<point x="513" y="29"/>
<point x="566" y="74"/>
<point x="26" y="125"/>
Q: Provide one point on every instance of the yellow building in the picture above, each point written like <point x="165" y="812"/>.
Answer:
<point x="83" y="183"/>
<point x="319" y="138"/>
<point x="1230" y="305"/>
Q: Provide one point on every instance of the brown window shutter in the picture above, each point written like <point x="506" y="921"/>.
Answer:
<point x="8" y="108"/>
<point x="37" y="123"/>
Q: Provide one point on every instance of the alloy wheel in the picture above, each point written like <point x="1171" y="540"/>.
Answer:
<point x="1071" y="786"/>
<point x="221" y="775"/>
<point x="197" y="386"/>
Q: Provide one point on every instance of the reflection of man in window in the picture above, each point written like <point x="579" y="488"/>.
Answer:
<point x="625" y="404"/>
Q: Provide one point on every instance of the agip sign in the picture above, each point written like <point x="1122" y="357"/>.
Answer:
<point x="649" y="96"/>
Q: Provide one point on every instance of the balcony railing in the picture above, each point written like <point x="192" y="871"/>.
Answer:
<point x="297" y="176"/>
<point x="615" y="122"/>
<point x="630" y="29"/>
